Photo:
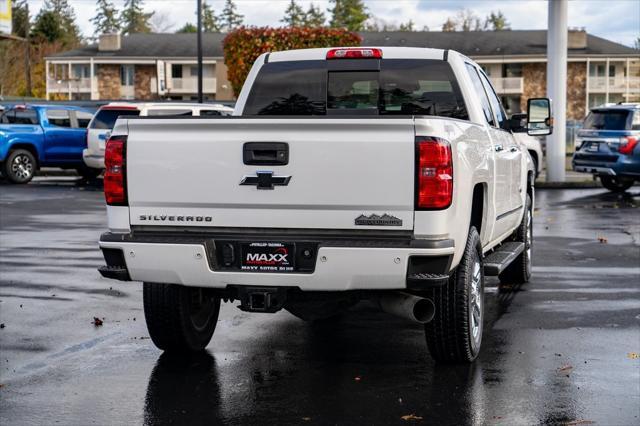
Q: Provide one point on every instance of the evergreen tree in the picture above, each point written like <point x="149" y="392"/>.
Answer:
<point x="106" y="20"/>
<point x="449" y="25"/>
<point x="349" y="14"/>
<point x="134" y="19"/>
<point x="314" y="17"/>
<point x="210" y="22"/>
<point x="20" y="18"/>
<point x="496" y="22"/>
<point x="56" y="21"/>
<point x="294" y="15"/>
<point x="230" y="18"/>
<point x="188" y="28"/>
<point x="408" y="26"/>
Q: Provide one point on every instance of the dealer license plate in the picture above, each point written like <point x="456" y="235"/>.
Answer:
<point x="268" y="257"/>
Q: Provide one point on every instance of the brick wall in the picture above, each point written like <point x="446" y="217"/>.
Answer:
<point x="535" y="82"/>
<point x="142" y="82"/>
<point x="535" y="86"/>
<point x="108" y="81"/>
<point x="576" y="90"/>
<point x="223" y="87"/>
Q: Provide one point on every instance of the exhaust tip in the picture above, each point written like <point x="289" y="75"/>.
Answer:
<point x="424" y="310"/>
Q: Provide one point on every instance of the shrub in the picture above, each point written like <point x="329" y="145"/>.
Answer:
<point x="243" y="46"/>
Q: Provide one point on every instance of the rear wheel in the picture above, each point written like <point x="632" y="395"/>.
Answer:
<point x="519" y="271"/>
<point x="616" y="184"/>
<point x="20" y="166"/>
<point x="180" y="319"/>
<point x="455" y="333"/>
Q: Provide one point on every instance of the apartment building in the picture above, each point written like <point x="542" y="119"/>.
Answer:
<point x="139" y="66"/>
<point x="162" y="66"/>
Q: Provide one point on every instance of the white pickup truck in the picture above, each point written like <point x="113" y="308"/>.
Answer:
<point x="388" y="174"/>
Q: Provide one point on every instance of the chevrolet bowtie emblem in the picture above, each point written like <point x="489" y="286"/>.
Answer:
<point x="265" y="180"/>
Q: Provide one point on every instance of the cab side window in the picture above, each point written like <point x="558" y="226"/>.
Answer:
<point x="495" y="102"/>
<point x="477" y="85"/>
<point x="20" y="116"/>
<point x="83" y="119"/>
<point x="59" y="117"/>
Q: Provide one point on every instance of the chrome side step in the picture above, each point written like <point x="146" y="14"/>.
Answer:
<point x="501" y="257"/>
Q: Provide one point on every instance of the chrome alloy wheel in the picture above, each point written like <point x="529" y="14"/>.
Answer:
<point x="475" y="302"/>
<point x="22" y="167"/>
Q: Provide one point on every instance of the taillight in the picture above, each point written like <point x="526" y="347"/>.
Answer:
<point x="354" y="53"/>
<point x="115" y="191"/>
<point x="434" y="174"/>
<point x="627" y="148"/>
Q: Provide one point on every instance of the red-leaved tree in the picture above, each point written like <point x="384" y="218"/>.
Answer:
<point x="243" y="46"/>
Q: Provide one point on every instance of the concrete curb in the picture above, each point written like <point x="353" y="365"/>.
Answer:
<point x="585" y="184"/>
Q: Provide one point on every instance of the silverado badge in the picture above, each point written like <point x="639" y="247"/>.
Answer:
<point x="375" y="220"/>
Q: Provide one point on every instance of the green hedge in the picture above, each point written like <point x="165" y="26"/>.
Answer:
<point x="243" y="46"/>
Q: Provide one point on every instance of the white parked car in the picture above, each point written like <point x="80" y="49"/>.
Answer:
<point x="389" y="174"/>
<point x="102" y="123"/>
<point x="531" y="143"/>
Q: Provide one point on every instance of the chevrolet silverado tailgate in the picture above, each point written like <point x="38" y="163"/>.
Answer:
<point x="340" y="173"/>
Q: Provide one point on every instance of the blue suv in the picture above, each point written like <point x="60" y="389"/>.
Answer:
<point x="608" y="146"/>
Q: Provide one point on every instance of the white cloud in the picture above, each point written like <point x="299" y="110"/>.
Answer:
<point x="616" y="20"/>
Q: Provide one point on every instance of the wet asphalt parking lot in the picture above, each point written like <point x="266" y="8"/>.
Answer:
<point x="563" y="349"/>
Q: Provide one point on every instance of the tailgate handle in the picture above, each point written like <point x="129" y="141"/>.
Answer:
<point x="266" y="153"/>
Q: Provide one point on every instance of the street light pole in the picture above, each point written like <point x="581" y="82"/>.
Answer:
<point x="199" y="35"/>
<point x="557" y="88"/>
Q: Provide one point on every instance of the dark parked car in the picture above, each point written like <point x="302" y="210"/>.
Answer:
<point x="33" y="136"/>
<point x="608" y="146"/>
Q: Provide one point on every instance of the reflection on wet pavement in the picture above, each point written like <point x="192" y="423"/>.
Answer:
<point x="557" y="350"/>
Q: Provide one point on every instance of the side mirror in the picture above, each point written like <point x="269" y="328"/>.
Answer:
<point x="518" y="123"/>
<point x="539" y="120"/>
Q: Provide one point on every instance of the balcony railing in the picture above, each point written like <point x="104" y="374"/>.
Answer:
<point x="76" y="85"/>
<point x="190" y="85"/>
<point x="508" y="84"/>
<point x="616" y="84"/>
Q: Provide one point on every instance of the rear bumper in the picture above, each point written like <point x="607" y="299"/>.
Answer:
<point x="95" y="161"/>
<point x="348" y="265"/>
<point x="624" y="165"/>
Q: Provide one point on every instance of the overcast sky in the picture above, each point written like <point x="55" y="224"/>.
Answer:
<point x="616" y="20"/>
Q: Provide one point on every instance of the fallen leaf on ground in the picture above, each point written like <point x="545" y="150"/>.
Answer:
<point x="306" y="419"/>
<point x="2" y="325"/>
<point x="579" y="422"/>
<point x="567" y="368"/>
<point x="603" y="240"/>
<point x="633" y="355"/>
<point x="411" y="417"/>
<point x="97" y="321"/>
<point x="357" y="378"/>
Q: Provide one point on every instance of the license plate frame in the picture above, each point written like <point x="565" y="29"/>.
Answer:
<point x="593" y="147"/>
<point x="267" y="256"/>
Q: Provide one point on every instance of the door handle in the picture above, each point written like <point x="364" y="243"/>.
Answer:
<point x="499" y="148"/>
<point x="266" y="153"/>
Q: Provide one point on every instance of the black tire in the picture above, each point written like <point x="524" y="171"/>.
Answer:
<point x="88" y="174"/>
<point x="616" y="184"/>
<point x="455" y="333"/>
<point x="534" y="159"/>
<point x="179" y="318"/>
<point x="519" y="271"/>
<point x="20" y="166"/>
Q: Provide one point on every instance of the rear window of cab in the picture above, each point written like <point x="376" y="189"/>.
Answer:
<point x="106" y="118"/>
<point x="396" y="87"/>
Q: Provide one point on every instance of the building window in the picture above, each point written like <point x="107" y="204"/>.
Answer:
<point x="511" y="104"/>
<point x="176" y="70"/>
<point x="81" y="71"/>
<point x="596" y="70"/>
<point x="511" y="70"/>
<point x="126" y="75"/>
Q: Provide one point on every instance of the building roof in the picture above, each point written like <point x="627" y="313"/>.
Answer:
<point x="491" y="43"/>
<point x="473" y="44"/>
<point x="154" y="46"/>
